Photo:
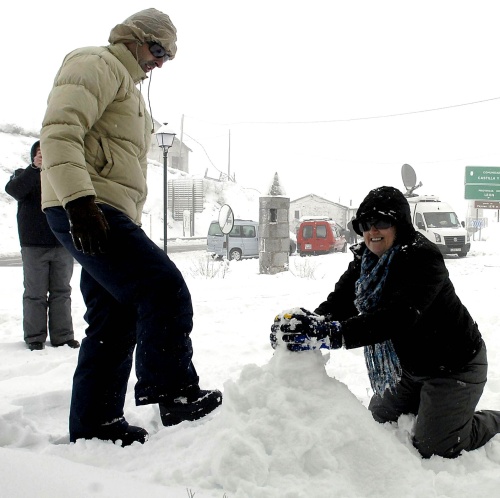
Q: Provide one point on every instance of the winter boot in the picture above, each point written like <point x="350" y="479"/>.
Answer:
<point x="190" y="404"/>
<point x="72" y="343"/>
<point x="36" y="346"/>
<point x="120" y="431"/>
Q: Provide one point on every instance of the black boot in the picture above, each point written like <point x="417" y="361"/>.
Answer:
<point x="72" y="343"/>
<point x="190" y="404"/>
<point x="36" y="346"/>
<point x="119" y="431"/>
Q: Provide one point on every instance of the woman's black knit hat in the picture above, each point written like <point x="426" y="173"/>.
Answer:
<point x="33" y="150"/>
<point x="385" y="203"/>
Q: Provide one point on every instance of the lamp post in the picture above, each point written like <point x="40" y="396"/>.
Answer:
<point x="165" y="139"/>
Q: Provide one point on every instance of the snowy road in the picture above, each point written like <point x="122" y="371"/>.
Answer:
<point x="199" y="245"/>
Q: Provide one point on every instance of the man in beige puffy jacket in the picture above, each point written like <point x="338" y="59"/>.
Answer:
<point x="95" y="137"/>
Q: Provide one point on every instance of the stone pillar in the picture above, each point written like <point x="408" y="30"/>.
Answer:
<point x="274" y="234"/>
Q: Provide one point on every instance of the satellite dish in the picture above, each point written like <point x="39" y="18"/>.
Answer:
<point x="409" y="180"/>
<point x="409" y="176"/>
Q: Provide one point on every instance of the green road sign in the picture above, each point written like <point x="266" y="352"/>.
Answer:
<point x="482" y="175"/>
<point x="482" y="192"/>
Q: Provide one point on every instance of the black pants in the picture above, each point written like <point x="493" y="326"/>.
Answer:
<point x="447" y="423"/>
<point x="136" y="299"/>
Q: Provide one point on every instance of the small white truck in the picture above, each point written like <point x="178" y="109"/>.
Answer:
<point x="440" y="224"/>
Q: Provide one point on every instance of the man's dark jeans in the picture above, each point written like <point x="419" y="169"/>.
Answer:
<point x="447" y="422"/>
<point x="136" y="298"/>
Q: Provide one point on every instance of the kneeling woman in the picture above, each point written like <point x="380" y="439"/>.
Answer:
<point x="423" y="350"/>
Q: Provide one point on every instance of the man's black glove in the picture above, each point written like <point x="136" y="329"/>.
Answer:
<point x="88" y="225"/>
<point x="303" y="330"/>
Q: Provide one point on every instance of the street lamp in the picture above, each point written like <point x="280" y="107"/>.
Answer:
<point x="165" y="139"/>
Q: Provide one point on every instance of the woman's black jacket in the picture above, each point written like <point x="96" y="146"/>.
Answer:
<point x="34" y="231"/>
<point x="431" y="329"/>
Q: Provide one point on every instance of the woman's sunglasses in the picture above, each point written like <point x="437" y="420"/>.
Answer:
<point x="378" y="224"/>
<point x="158" y="51"/>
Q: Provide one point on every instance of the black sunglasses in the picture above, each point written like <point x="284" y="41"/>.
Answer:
<point x="379" y="224"/>
<point x="158" y="51"/>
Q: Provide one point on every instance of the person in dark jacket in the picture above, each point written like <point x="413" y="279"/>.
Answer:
<point x="352" y="239"/>
<point x="47" y="266"/>
<point x="423" y="350"/>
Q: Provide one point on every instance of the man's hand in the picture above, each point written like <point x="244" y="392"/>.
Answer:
<point x="88" y="226"/>
<point x="303" y="330"/>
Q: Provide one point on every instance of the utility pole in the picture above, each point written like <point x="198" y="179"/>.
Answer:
<point x="180" y="145"/>
<point x="229" y="157"/>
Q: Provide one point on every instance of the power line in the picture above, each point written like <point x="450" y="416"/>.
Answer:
<point x="345" y="120"/>
<point x="205" y="151"/>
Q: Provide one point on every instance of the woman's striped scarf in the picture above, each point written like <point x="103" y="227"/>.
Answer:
<point x="382" y="362"/>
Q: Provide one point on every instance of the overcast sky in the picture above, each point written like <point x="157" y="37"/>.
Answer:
<point x="292" y="81"/>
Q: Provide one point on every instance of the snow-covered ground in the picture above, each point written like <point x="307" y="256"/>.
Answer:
<point x="291" y="425"/>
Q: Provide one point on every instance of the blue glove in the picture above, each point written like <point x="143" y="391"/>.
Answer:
<point x="302" y="330"/>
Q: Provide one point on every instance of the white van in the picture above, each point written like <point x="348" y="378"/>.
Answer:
<point x="243" y="240"/>
<point x="440" y="224"/>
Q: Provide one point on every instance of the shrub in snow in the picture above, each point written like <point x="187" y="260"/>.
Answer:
<point x="304" y="268"/>
<point x="207" y="267"/>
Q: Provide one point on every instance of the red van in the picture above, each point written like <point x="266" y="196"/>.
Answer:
<point x="319" y="237"/>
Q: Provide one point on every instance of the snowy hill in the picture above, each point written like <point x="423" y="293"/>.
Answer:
<point x="15" y="154"/>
